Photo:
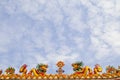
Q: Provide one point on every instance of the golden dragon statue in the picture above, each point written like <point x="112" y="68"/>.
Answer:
<point x="112" y="71"/>
<point x="80" y="70"/>
<point x="40" y="70"/>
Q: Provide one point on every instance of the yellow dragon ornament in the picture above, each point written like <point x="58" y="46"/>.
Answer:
<point x="80" y="70"/>
<point x="40" y="70"/>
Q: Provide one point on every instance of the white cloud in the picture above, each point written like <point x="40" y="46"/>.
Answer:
<point x="106" y="36"/>
<point x="105" y="30"/>
<point x="101" y="49"/>
<point x="112" y="31"/>
<point x="109" y="7"/>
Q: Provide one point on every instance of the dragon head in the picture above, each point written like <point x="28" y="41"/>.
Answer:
<point x="77" y="66"/>
<point x="41" y="68"/>
<point x="98" y="67"/>
<point x="10" y="70"/>
<point x="110" y="69"/>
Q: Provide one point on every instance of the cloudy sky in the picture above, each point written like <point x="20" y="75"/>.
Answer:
<point x="46" y="31"/>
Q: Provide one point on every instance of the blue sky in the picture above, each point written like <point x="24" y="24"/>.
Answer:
<point x="46" y="31"/>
